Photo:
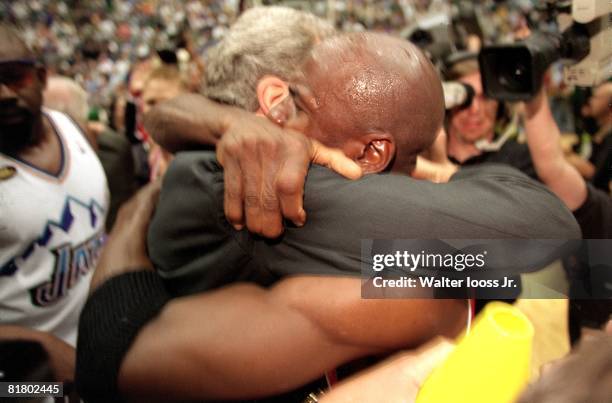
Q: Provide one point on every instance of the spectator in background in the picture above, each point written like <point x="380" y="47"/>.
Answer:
<point x="472" y="131"/>
<point x="114" y="150"/>
<point x="599" y="108"/>
<point x="66" y="95"/>
<point x="164" y="83"/>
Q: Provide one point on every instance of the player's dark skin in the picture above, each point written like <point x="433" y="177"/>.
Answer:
<point x="24" y="132"/>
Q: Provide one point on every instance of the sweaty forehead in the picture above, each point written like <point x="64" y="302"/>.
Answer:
<point x="364" y="57"/>
<point x="351" y="72"/>
<point x="373" y="83"/>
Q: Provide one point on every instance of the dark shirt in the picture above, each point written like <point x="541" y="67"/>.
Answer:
<point x="591" y="296"/>
<point x="511" y="153"/>
<point x="115" y="153"/>
<point x="195" y="249"/>
<point x="602" y="160"/>
<point x="595" y="215"/>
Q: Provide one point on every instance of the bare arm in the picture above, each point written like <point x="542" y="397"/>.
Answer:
<point x="243" y="341"/>
<point x="188" y="121"/>
<point x="543" y="139"/>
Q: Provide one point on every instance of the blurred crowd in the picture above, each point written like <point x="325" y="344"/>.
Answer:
<point x="110" y="47"/>
<point x="99" y="42"/>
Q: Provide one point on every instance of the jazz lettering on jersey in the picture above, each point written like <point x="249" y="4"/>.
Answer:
<point x="71" y="263"/>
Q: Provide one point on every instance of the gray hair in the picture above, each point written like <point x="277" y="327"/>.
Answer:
<point x="66" y="95"/>
<point x="264" y="40"/>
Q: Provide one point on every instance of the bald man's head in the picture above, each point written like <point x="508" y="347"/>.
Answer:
<point x="375" y="96"/>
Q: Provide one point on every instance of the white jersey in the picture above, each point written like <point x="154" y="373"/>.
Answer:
<point x="51" y="233"/>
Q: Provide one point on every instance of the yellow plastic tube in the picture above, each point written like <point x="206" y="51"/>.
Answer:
<point x="490" y="365"/>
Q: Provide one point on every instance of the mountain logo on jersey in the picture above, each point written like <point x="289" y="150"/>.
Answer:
<point x="7" y="172"/>
<point x="70" y="261"/>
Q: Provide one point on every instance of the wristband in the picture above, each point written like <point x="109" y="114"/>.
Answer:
<point x="112" y="317"/>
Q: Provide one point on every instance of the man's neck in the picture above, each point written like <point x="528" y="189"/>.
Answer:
<point x="45" y="152"/>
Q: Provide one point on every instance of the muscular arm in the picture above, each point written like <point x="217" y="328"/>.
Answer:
<point x="286" y="337"/>
<point x="543" y="139"/>
<point x="188" y="121"/>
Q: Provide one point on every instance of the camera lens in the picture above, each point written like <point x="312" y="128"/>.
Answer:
<point x="514" y="76"/>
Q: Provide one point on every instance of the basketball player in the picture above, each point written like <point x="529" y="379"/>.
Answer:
<point x="53" y="203"/>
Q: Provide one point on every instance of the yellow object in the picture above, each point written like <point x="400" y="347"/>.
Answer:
<point x="490" y="365"/>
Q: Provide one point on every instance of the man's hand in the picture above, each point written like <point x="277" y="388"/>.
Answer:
<point x="398" y="379"/>
<point x="265" y="170"/>
<point x="265" y="163"/>
<point x="126" y="249"/>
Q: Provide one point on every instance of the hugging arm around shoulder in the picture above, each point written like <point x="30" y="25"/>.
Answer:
<point x="195" y="249"/>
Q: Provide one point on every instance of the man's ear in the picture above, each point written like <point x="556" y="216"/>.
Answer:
<point x="377" y="152"/>
<point x="275" y="101"/>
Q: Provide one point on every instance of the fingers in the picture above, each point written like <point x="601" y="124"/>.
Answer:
<point x="290" y="188"/>
<point x="335" y="160"/>
<point x="430" y="357"/>
<point x="271" y="218"/>
<point x="233" y="193"/>
<point x="265" y="171"/>
<point x="227" y="155"/>
<point x="251" y="169"/>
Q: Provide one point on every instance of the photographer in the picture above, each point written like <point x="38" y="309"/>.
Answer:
<point x="472" y="129"/>
<point x="591" y="207"/>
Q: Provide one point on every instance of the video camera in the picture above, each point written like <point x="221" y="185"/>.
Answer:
<point x="514" y="72"/>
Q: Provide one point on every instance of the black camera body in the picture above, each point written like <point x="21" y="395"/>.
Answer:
<point x="514" y="72"/>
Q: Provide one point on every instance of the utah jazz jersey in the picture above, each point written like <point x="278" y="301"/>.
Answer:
<point x="51" y="234"/>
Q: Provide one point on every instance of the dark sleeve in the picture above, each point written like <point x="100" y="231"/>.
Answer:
<point x="483" y="202"/>
<point x="190" y="243"/>
<point x="115" y="153"/>
<point x="110" y="321"/>
<point x="521" y="160"/>
<point x="595" y="214"/>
